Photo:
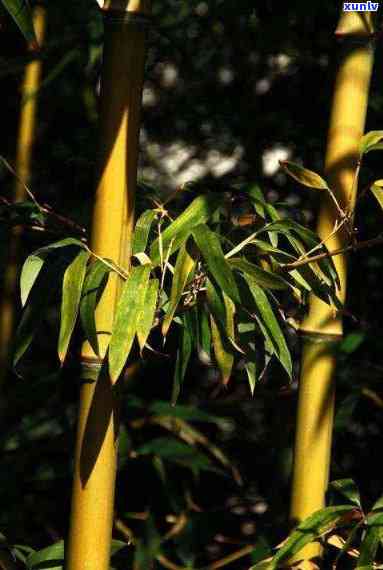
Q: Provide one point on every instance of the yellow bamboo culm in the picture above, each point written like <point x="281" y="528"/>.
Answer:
<point x="25" y="140"/>
<point x="97" y="435"/>
<point x="322" y="329"/>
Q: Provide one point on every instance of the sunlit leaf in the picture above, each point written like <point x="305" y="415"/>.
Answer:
<point x="313" y="527"/>
<point x="184" y="266"/>
<point x="34" y="262"/>
<point x="369" y="141"/>
<point x="348" y="489"/>
<point x="146" y="317"/>
<point x="251" y="371"/>
<point x="51" y="557"/>
<point x="141" y="231"/>
<point x="222" y="352"/>
<point x="377" y="190"/>
<point x="94" y="285"/>
<point x="303" y="175"/>
<point x="209" y="245"/>
<point x="71" y="294"/>
<point x="48" y="281"/>
<point x="129" y="308"/>
<point x="199" y="211"/>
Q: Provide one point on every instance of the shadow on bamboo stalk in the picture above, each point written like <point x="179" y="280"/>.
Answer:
<point x="91" y="521"/>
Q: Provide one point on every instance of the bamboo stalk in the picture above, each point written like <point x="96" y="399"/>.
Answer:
<point x="25" y="140"/>
<point x="322" y="329"/>
<point x="97" y="437"/>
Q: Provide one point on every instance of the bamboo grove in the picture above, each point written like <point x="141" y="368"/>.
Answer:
<point x="213" y="281"/>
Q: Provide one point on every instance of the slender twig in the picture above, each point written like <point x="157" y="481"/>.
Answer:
<point x="353" y="247"/>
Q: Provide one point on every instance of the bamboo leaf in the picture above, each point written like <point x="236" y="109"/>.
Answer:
<point x="71" y="295"/>
<point x="220" y="309"/>
<point x="209" y="245"/>
<point x="141" y="231"/>
<point x="94" y="285"/>
<point x="205" y="333"/>
<point x="199" y="212"/>
<point x="271" y="326"/>
<point x="348" y="489"/>
<point x="377" y="190"/>
<point x="53" y="554"/>
<point x="29" y="273"/>
<point x="125" y="325"/>
<point x="369" y="141"/>
<point x="22" y="15"/>
<point x="319" y="523"/>
<point x="146" y="318"/>
<point x="251" y="371"/>
<point x="370" y="543"/>
<point x="47" y="283"/>
<point x="222" y="352"/>
<point x="34" y="263"/>
<point x="304" y="176"/>
<point x="185" y="264"/>
<point x="183" y="356"/>
<point x="264" y="278"/>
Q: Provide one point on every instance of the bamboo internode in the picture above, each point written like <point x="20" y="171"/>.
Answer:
<point x="322" y="328"/>
<point x="97" y="437"/>
<point x="25" y="140"/>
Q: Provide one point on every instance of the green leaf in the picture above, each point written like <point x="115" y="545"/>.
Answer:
<point x="185" y="264"/>
<point x="271" y="326"/>
<point x="264" y="278"/>
<point x="222" y="352"/>
<point x="313" y="527"/>
<point x="53" y="554"/>
<point x="47" y="283"/>
<point x="34" y="263"/>
<point x="369" y="546"/>
<point x="125" y="325"/>
<point x="52" y="557"/>
<point x="199" y="211"/>
<point x="304" y="176"/>
<point x="205" y="333"/>
<point x="183" y="356"/>
<point x="352" y="342"/>
<point x="369" y="141"/>
<point x="187" y="413"/>
<point x="377" y="190"/>
<point x="348" y="489"/>
<point x="141" y="231"/>
<point x="22" y="15"/>
<point x="251" y="371"/>
<point x="94" y="285"/>
<point x="209" y="245"/>
<point x="71" y="295"/>
<point x="29" y="273"/>
<point x="146" y="318"/>
<point x="176" y="451"/>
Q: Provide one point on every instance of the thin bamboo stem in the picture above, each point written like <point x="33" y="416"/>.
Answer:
<point x="322" y="328"/>
<point x="97" y="437"/>
<point x="25" y="140"/>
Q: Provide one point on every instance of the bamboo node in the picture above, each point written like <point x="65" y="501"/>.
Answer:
<point x="90" y="369"/>
<point x="124" y="18"/>
<point x="319" y="337"/>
